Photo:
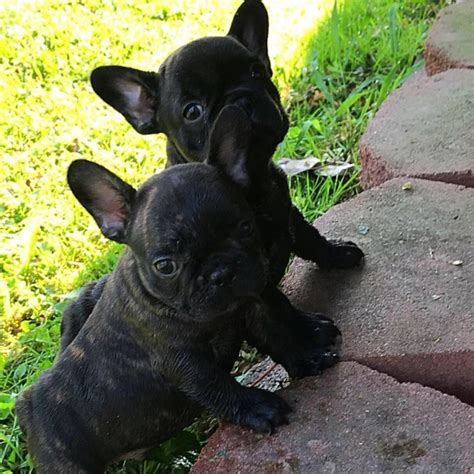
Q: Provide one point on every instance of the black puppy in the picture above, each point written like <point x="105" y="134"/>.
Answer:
<point x="167" y="328"/>
<point x="183" y="100"/>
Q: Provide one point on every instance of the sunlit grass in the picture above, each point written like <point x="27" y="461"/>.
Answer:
<point x="333" y="66"/>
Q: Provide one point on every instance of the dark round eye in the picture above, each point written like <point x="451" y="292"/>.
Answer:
<point x="165" y="266"/>
<point x="258" y="71"/>
<point x="246" y="228"/>
<point x="192" y="111"/>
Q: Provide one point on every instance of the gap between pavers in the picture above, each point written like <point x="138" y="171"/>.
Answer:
<point x="409" y="312"/>
<point x="450" y="41"/>
<point x="424" y="129"/>
<point x="352" y="419"/>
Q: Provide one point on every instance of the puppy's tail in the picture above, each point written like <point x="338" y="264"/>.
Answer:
<point x="78" y="311"/>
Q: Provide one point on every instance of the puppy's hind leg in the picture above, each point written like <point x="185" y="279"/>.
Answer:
<point x="44" y="441"/>
<point x="311" y="245"/>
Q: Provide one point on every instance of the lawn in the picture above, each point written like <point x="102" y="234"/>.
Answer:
<point x="334" y="65"/>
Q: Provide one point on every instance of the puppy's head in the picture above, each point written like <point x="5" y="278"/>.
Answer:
<point x="189" y="227"/>
<point x="192" y="86"/>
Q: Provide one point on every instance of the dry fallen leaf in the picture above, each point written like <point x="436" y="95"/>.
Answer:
<point x="408" y="186"/>
<point x="311" y="163"/>
<point x="335" y="169"/>
<point x="294" y="167"/>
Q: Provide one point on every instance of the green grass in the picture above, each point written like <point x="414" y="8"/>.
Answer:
<point x="345" y="70"/>
<point x="334" y="66"/>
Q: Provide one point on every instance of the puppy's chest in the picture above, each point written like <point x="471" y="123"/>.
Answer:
<point x="271" y="204"/>
<point x="273" y="218"/>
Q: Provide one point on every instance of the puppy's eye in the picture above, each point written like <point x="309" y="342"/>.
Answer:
<point x="257" y="71"/>
<point x="246" y="228"/>
<point x="192" y="111"/>
<point x="166" y="266"/>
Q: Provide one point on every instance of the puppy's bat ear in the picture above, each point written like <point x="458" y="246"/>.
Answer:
<point x="104" y="195"/>
<point x="131" y="92"/>
<point x="250" y="27"/>
<point x="229" y="144"/>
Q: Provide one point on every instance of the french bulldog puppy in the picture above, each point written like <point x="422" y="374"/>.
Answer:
<point x="167" y="324"/>
<point x="305" y="343"/>
<point x="182" y="101"/>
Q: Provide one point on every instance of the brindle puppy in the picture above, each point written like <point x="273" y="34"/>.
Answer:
<point x="164" y="333"/>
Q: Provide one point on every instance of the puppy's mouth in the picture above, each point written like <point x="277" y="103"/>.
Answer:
<point x="207" y="310"/>
<point x="210" y="303"/>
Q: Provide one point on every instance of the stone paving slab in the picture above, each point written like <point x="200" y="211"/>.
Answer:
<point x="410" y="311"/>
<point x="425" y="130"/>
<point x="451" y="39"/>
<point x="352" y="420"/>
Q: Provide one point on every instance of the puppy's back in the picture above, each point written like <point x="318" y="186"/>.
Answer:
<point x="78" y="311"/>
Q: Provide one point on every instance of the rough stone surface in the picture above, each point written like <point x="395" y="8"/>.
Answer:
<point x="352" y="420"/>
<point x="451" y="39"/>
<point x="267" y="375"/>
<point x="409" y="311"/>
<point x="425" y="130"/>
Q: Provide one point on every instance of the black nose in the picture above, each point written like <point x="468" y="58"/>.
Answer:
<point x="245" y="103"/>
<point x="243" y="98"/>
<point x="221" y="276"/>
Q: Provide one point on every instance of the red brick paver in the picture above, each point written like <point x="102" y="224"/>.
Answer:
<point x="425" y="130"/>
<point x="355" y="420"/>
<point x="410" y="311"/>
<point x="451" y="39"/>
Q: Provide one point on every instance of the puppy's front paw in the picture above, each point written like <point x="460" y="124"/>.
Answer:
<point x="262" y="411"/>
<point x="340" y="255"/>
<point x="316" y="346"/>
<point x="320" y="347"/>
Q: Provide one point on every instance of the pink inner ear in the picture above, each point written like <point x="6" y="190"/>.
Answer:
<point x="110" y="205"/>
<point x="139" y="104"/>
<point x="131" y="92"/>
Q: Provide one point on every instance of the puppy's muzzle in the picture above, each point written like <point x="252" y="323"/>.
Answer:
<point x="261" y="110"/>
<point x="219" y="276"/>
<point x="243" y="98"/>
